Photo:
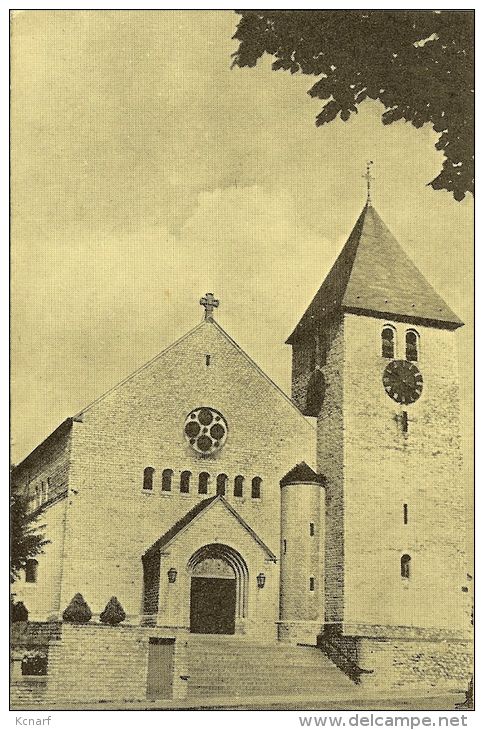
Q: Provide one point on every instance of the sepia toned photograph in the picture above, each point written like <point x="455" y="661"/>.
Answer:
<point x="242" y="362"/>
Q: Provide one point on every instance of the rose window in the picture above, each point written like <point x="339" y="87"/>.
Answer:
<point x="205" y="430"/>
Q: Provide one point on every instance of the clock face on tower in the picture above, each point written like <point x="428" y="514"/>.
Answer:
<point x="402" y="381"/>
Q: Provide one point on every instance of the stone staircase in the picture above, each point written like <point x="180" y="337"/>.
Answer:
<point x="223" y="666"/>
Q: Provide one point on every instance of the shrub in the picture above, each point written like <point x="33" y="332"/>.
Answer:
<point x="114" y="613"/>
<point x="18" y="612"/>
<point x="77" y="612"/>
<point x="35" y="663"/>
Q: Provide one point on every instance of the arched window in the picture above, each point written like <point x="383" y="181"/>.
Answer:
<point x="148" y="477"/>
<point x="411" y="345"/>
<point x="221" y="483"/>
<point x="239" y="486"/>
<point x="405" y="566"/>
<point x="166" y="479"/>
<point x="256" y="482"/>
<point x="203" y="479"/>
<point x="31" y="571"/>
<point x="185" y="482"/>
<point x="388" y="342"/>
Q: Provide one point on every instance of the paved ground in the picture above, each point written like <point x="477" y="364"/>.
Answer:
<point x="443" y="702"/>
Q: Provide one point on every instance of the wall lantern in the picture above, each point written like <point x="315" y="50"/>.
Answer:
<point x="172" y="574"/>
<point x="261" y="580"/>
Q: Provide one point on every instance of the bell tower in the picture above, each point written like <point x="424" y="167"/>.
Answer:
<point x="374" y="361"/>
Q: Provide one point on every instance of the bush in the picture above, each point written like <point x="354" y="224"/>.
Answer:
<point x="77" y="612"/>
<point x="18" y="612"/>
<point x="114" y="613"/>
<point x="35" y="663"/>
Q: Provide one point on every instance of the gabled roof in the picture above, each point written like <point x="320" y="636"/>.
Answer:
<point x="206" y="323"/>
<point x="192" y="514"/>
<point x="302" y="473"/>
<point x="374" y="276"/>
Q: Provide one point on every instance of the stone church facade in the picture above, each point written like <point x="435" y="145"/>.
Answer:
<point x="213" y="506"/>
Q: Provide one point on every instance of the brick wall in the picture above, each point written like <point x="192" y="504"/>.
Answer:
<point x="444" y="665"/>
<point x="112" y="520"/>
<point x="386" y="468"/>
<point x="330" y="448"/>
<point x="302" y="554"/>
<point x="96" y="662"/>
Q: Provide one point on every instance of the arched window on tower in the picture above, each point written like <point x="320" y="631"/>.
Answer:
<point x="203" y="478"/>
<point x="411" y="345"/>
<point x="256" y="482"/>
<point x="405" y="566"/>
<point x="185" y="482"/>
<point x="31" y="571"/>
<point x="388" y="342"/>
<point x="166" y="479"/>
<point x="148" y="477"/>
<point x="221" y="483"/>
<point x="239" y="486"/>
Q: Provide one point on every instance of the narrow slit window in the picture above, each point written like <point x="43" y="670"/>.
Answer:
<point x="311" y="583"/>
<point x="311" y="529"/>
<point x="148" y="477"/>
<point x="284" y="547"/>
<point x="203" y="479"/>
<point x="404" y="421"/>
<point x="411" y="345"/>
<point x="185" y="482"/>
<point x="221" y="483"/>
<point x="388" y="343"/>
<point x="405" y="566"/>
<point x="239" y="486"/>
<point x="166" y="479"/>
<point x="207" y="360"/>
<point x="405" y="514"/>
<point x="256" y="483"/>
<point x="31" y="567"/>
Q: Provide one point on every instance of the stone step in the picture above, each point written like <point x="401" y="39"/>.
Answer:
<point x="241" y="669"/>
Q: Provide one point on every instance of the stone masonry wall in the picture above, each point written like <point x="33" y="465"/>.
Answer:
<point x="399" y="664"/>
<point x="113" y="521"/>
<point x="302" y="554"/>
<point x="386" y="468"/>
<point x="331" y="464"/>
<point x="106" y="663"/>
<point x="49" y="466"/>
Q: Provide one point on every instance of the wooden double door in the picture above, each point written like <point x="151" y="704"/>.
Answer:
<point x="212" y="605"/>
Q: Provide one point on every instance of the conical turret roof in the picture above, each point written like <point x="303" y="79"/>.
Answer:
<point x="373" y="276"/>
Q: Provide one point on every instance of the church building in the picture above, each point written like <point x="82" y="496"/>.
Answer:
<point x="224" y="516"/>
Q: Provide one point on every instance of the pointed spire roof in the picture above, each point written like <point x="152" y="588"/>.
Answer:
<point x="374" y="276"/>
<point x="301" y="474"/>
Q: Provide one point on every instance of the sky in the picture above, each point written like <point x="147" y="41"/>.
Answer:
<point x="147" y="172"/>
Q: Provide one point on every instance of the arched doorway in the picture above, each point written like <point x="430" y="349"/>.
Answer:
<point x="218" y="587"/>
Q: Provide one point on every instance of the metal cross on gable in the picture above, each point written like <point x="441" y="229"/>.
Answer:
<point x="209" y="302"/>
<point x="369" y="178"/>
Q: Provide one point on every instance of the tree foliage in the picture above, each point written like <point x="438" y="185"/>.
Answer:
<point x="25" y="539"/>
<point x="417" y="63"/>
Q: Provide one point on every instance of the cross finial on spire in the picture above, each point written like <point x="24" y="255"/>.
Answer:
<point x="369" y="178"/>
<point x="209" y="302"/>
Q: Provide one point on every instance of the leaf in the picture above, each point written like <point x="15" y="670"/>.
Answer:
<point x="384" y="55"/>
<point x="328" y="113"/>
